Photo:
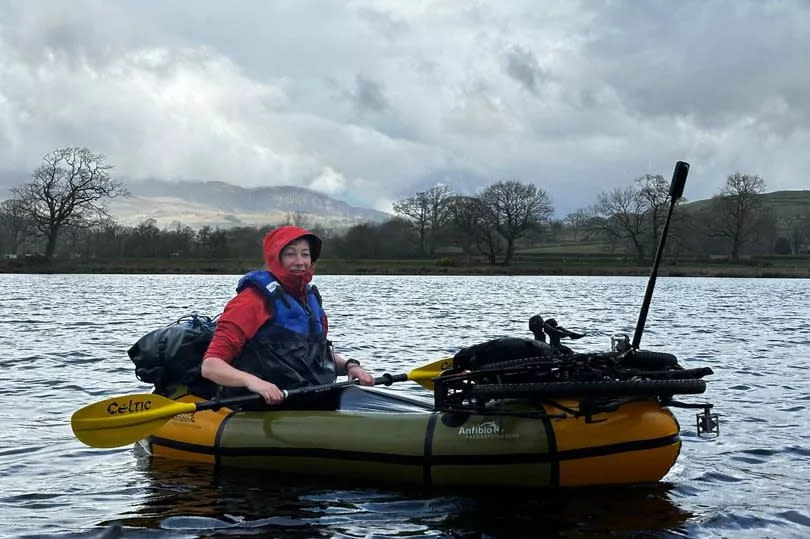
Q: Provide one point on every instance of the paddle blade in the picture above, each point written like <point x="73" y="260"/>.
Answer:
<point x="119" y="436"/>
<point x="424" y="375"/>
<point x="125" y="419"/>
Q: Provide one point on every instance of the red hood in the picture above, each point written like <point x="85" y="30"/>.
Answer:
<point x="275" y="241"/>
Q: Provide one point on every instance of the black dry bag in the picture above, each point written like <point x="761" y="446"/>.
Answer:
<point x="480" y="356"/>
<point x="173" y="355"/>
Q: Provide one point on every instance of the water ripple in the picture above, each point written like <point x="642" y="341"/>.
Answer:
<point x="71" y="351"/>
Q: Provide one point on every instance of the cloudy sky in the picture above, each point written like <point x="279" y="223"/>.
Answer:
<point x="371" y="101"/>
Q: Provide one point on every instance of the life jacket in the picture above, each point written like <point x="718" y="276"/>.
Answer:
<point x="290" y="349"/>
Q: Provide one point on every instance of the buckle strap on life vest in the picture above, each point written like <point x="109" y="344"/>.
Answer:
<point x="267" y="283"/>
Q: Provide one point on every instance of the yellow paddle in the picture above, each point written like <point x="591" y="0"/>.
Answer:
<point x="126" y="419"/>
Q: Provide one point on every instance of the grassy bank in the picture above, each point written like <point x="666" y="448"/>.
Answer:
<point x="530" y="263"/>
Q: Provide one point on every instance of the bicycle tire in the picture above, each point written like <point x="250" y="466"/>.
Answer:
<point x="586" y="389"/>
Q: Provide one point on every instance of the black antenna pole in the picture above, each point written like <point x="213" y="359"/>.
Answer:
<point x="675" y="192"/>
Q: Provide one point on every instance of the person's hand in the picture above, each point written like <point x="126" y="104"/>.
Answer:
<point x="268" y="390"/>
<point x="356" y="372"/>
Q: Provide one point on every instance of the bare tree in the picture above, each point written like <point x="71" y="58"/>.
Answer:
<point x="799" y="232"/>
<point x="475" y="224"/>
<point x="516" y="207"/>
<point x="70" y="189"/>
<point x="577" y="221"/>
<point x="213" y="243"/>
<point x="736" y="210"/>
<point x="144" y="239"/>
<point x="619" y="214"/>
<point x="654" y="191"/>
<point x="297" y="218"/>
<point x="429" y="212"/>
<point x="633" y="215"/>
<point x="109" y="239"/>
<point x="416" y="209"/>
<point x="438" y="211"/>
<point x="14" y="222"/>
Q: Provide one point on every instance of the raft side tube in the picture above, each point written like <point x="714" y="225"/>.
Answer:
<point x="638" y="442"/>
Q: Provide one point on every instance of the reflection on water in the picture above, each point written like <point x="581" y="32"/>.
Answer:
<point x="63" y="342"/>
<point x="199" y="499"/>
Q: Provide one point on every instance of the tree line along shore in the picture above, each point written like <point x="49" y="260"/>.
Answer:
<point x="58" y="222"/>
<point x="773" y="266"/>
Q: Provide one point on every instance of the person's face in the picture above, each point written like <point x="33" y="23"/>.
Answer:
<point x="295" y="257"/>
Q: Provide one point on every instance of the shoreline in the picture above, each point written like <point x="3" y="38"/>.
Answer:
<point x="798" y="267"/>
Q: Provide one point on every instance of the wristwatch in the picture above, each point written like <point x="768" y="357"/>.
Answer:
<point x="348" y="365"/>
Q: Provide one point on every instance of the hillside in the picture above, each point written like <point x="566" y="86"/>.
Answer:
<point x="785" y="205"/>
<point x="220" y="204"/>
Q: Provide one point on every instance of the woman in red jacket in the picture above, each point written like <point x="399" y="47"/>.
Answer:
<point x="272" y="334"/>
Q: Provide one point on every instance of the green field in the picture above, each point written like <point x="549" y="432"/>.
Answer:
<point x="567" y="248"/>
<point x="784" y="205"/>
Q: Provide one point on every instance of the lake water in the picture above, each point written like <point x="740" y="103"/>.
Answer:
<point x="63" y="342"/>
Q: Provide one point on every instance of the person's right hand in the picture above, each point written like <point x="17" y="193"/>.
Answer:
<point x="268" y="390"/>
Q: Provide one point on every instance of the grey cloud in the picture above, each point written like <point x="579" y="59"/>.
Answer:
<point x="74" y="33"/>
<point x="368" y="95"/>
<point x="385" y="23"/>
<point x="393" y="99"/>
<point x="522" y="66"/>
<point x="712" y="61"/>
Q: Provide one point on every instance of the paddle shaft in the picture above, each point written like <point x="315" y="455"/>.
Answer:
<point x="215" y="404"/>
<point x="125" y="419"/>
<point x="675" y="192"/>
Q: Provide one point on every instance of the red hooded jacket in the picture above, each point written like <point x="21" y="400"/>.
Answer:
<point x="246" y="312"/>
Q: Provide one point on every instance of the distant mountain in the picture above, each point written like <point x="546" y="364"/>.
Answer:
<point x="215" y="203"/>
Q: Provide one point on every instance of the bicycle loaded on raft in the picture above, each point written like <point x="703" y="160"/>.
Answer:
<point x="507" y="412"/>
